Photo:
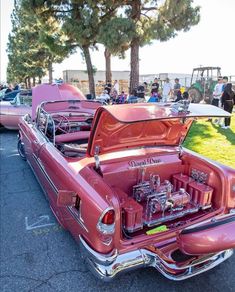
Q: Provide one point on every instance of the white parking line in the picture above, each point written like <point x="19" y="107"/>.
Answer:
<point x="43" y="221"/>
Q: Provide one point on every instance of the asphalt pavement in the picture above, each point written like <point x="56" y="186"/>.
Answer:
<point x="38" y="255"/>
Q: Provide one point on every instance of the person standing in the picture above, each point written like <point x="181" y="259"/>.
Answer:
<point x="155" y="87"/>
<point x="177" y="88"/>
<point x="116" y="86"/>
<point x="108" y="87"/>
<point x="166" y="91"/>
<point x="217" y="93"/>
<point x="225" y="81"/>
<point x="218" y="90"/>
<point x="227" y="101"/>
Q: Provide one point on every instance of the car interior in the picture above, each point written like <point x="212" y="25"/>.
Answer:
<point x="68" y="131"/>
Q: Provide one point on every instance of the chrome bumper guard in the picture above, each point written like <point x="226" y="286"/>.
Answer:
<point x="106" y="267"/>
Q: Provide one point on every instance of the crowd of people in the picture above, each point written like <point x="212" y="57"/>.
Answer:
<point x="168" y="91"/>
<point x="112" y="94"/>
<point x="158" y="91"/>
<point x="155" y="91"/>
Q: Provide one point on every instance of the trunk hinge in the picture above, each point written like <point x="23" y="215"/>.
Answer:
<point x="97" y="159"/>
<point x="180" y="146"/>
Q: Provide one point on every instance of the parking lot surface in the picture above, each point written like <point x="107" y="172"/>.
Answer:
<point x="38" y="255"/>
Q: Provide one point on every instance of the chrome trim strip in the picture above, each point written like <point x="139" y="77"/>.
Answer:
<point x="77" y="218"/>
<point x="105" y="259"/>
<point x="42" y="168"/>
<point x="191" y="271"/>
<point x="45" y="193"/>
<point x="12" y="115"/>
<point x="106" y="267"/>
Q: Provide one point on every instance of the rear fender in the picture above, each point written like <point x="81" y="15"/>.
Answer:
<point x="215" y="235"/>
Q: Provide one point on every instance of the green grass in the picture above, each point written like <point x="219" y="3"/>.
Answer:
<point x="213" y="142"/>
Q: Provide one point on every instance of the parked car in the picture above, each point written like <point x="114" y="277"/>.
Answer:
<point x="20" y="105"/>
<point x="12" y="110"/>
<point x="8" y="96"/>
<point x="127" y="190"/>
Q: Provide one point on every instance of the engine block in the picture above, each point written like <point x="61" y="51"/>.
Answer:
<point x="160" y="202"/>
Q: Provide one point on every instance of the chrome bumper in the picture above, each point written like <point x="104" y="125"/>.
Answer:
<point x="106" y="267"/>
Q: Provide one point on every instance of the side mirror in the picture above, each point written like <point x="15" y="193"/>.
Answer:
<point x="67" y="198"/>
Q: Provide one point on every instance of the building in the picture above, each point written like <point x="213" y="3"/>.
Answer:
<point x="79" y="75"/>
<point x="80" y="78"/>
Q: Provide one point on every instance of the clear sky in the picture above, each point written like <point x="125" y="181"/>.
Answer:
<point x="210" y="43"/>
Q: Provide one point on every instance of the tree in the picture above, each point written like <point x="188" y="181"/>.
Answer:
<point x="157" y="20"/>
<point x="28" y="55"/>
<point x="115" y="35"/>
<point x="49" y="34"/>
<point x="80" y="22"/>
<point x="83" y="25"/>
<point x="21" y="49"/>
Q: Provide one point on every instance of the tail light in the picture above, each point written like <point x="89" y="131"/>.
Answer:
<point x="109" y="217"/>
<point x="106" y="223"/>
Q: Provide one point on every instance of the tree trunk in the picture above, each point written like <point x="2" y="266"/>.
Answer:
<point x="26" y="82"/>
<point x="33" y="81"/>
<point x="89" y="70"/>
<point x="135" y="43"/>
<point x="134" y="75"/>
<point x="29" y="83"/>
<point x="50" y="71"/>
<point x="108" y="72"/>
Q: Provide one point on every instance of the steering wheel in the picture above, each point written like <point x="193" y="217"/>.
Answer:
<point x="61" y="123"/>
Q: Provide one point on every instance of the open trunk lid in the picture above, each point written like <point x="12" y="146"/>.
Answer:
<point x="207" y="237"/>
<point x="120" y="127"/>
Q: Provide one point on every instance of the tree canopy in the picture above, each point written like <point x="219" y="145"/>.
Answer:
<point x="156" y="20"/>
<point x="79" y="22"/>
<point x="46" y="31"/>
<point x="29" y="56"/>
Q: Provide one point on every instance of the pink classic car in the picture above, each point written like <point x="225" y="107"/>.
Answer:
<point x="12" y="111"/>
<point x="128" y="191"/>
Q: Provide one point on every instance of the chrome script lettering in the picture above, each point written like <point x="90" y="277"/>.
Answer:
<point x="145" y="162"/>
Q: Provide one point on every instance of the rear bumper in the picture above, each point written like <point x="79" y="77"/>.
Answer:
<point x="106" y="267"/>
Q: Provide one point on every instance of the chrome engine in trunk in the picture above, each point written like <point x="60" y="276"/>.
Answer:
<point x="154" y="202"/>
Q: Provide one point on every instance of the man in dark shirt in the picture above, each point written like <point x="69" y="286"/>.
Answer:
<point x="141" y="91"/>
<point x="108" y="87"/>
<point x="177" y="87"/>
<point x="155" y="87"/>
